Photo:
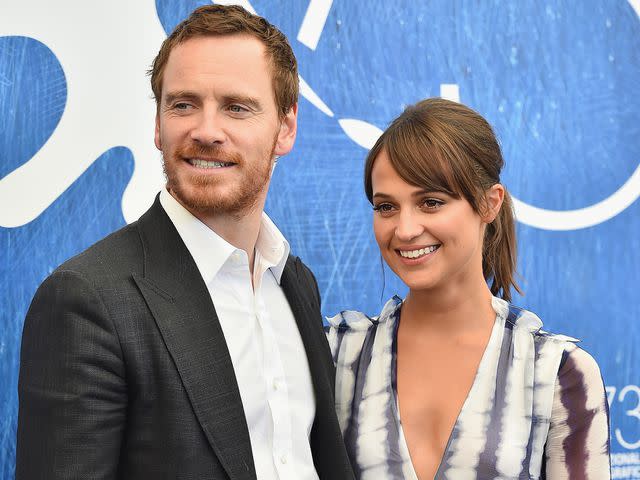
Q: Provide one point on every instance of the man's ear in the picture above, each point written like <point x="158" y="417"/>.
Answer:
<point x="156" y="136"/>
<point x="493" y="199"/>
<point x="287" y="133"/>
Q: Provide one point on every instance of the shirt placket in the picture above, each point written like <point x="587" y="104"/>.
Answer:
<point x="277" y="391"/>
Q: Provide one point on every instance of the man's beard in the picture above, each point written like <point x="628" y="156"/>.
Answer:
<point x="200" y="193"/>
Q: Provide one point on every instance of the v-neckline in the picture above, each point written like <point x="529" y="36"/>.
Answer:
<point x="395" y="403"/>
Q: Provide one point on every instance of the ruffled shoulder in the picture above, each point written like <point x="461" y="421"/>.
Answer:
<point x="358" y="321"/>
<point x="351" y="320"/>
<point x="347" y="332"/>
<point x="520" y="319"/>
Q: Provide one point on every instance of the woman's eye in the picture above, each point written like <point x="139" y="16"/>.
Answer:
<point x="432" y="203"/>
<point x="383" y="208"/>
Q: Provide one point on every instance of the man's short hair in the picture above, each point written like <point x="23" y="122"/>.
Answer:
<point x="219" y="20"/>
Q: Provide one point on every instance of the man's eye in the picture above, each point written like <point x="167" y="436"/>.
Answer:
<point x="237" y="109"/>
<point x="181" y="106"/>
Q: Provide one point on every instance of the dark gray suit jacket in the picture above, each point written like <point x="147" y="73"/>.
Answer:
<point x="125" y="372"/>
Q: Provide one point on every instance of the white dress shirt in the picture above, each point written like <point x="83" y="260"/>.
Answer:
<point x="264" y="343"/>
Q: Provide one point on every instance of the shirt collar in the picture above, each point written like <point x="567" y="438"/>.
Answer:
<point x="210" y="251"/>
<point x="272" y="246"/>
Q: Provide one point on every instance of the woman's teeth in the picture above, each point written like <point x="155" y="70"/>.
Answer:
<point x="417" y="253"/>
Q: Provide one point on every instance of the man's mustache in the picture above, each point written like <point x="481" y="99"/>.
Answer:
<point x="208" y="152"/>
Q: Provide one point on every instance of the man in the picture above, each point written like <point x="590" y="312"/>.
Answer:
<point x="189" y="344"/>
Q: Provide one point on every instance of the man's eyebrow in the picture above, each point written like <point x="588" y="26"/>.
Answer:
<point x="250" y="102"/>
<point x="247" y="100"/>
<point x="171" y="97"/>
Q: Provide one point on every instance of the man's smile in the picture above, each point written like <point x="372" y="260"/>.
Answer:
<point x="200" y="163"/>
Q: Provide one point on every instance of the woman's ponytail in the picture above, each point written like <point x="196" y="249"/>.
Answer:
<point x="500" y="257"/>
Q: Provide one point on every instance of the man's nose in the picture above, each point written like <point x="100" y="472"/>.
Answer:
<point x="209" y="128"/>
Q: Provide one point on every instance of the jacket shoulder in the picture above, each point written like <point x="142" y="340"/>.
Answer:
<point x="117" y="254"/>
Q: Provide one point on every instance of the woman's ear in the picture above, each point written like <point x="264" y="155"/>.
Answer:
<point x="493" y="198"/>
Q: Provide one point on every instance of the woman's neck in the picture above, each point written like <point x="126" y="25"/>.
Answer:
<point x="449" y="311"/>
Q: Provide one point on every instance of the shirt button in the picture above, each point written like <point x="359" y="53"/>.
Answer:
<point x="283" y="459"/>
<point x="275" y="387"/>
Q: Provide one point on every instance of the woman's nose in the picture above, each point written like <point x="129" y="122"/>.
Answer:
<point x="409" y="226"/>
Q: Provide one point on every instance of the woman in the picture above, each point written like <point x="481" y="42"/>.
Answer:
<point x="454" y="382"/>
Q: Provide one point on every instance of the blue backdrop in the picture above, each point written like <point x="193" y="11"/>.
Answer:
<point x="560" y="81"/>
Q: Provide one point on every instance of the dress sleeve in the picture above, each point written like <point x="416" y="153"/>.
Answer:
<point x="577" y="445"/>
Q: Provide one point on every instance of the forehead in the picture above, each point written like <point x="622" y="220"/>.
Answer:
<point x="217" y="61"/>
<point x="385" y="177"/>
<point x="410" y="157"/>
<point x="417" y="177"/>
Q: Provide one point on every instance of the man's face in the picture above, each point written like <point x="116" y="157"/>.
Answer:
<point x="218" y="126"/>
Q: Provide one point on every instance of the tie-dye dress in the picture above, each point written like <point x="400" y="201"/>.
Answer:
<point x="537" y="408"/>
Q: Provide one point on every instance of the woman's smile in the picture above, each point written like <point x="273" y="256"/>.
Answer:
<point x="416" y="255"/>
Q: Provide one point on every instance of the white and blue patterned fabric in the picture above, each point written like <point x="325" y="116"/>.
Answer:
<point x="536" y="410"/>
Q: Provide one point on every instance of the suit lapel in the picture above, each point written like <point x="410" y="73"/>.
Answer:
<point x="329" y="454"/>
<point x="182" y="308"/>
<point x="308" y="321"/>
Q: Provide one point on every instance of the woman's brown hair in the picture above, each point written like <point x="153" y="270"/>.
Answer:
<point x="444" y="146"/>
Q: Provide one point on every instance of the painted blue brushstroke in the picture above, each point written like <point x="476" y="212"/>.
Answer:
<point x="33" y="94"/>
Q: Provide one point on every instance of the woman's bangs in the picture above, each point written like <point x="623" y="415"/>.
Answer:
<point x="419" y="162"/>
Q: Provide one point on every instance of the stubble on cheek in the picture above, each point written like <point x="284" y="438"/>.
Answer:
<point x="206" y="193"/>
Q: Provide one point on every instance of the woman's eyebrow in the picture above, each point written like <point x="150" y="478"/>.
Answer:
<point x="416" y="193"/>
<point x="419" y="193"/>
<point x="381" y="195"/>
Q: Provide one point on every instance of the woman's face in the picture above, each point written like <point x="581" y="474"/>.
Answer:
<point x="429" y="239"/>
